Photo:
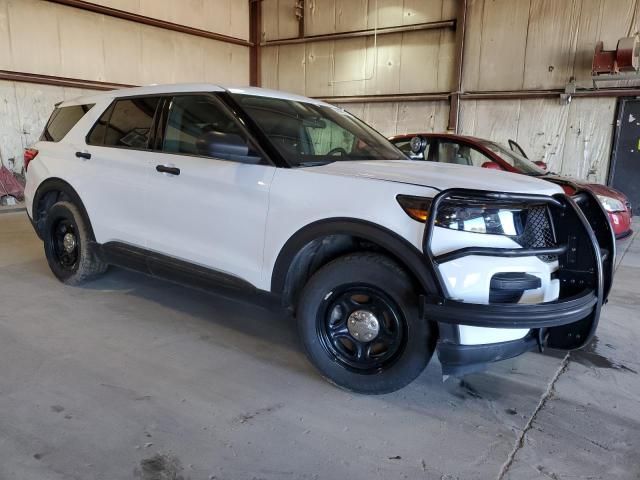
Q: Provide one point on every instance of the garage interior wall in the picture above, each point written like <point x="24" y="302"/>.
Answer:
<point x="510" y="45"/>
<point x="47" y="38"/>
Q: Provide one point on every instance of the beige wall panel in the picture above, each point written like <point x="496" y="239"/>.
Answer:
<point x="239" y="18"/>
<point x="319" y="17"/>
<point x="188" y="61"/>
<point x="239" y="65"/>
<point x="215" y="61"/>
<point x="35" y="102"/>
<point x="190" y="12"/>
<point x="422" y="117"/>
<point x="23" y="114"/>
<point x="26" y="58"/>
<point x="269" y="20"/>
<point x="356" y="109"/>
<point x="291" y="68"/>
<point x="503" y="41"/>
<point x="419" y="61"/>
<point x="269" y="60"/>
<point x="551" y="40"/>
<point x="494" y="120"/>
<point x="446" y="61"/>
<point x="467" y="117"/>
<point x="157" y="56"/>
<point x="228" y="17"/>
<point x="541" y="130"/>
<point x="616" y="21"/>
<point x="449" y="9"/>
<point x="382" y="116"/>
<point x="351" y="15"/>
<point x="5" y="38"/>
<point x="81" y="48"/>
<point x="122" y="46"/>
<point x="587" y="36"/>
<point x="288" y="24"/>
<point x="420" y="11"/>
<point x="472" y="45"/>
<point x="383" y="63"/>
<point x="588" y="139"/>
<point x="318" y="79"/>
<point x="350" y="60"/>
<point x="390" y="13"/>
<point x="395" y="118"/>
<point x="126" y="5"/>
<point x="11" y="141"/>
<point x="156" y="9"/>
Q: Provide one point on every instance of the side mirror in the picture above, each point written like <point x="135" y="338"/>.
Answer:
<point x="541" y="164"/>
<point x="228" y="146"/>
<point x="492" y="166"/>
<point x="418" y="144"/>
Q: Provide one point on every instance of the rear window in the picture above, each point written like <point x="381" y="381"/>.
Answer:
<point x="127" y="123"/>
<point x="62" y="120"/>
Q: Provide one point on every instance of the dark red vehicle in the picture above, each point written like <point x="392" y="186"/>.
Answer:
<point x="478" y="152"/>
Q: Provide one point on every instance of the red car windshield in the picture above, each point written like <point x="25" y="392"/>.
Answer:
<point x="514" y="159"/>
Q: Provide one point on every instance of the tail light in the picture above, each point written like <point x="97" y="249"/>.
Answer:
<point x="29" y="154"/>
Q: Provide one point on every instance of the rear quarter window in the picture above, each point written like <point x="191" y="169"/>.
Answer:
<point x="62" y="120"/>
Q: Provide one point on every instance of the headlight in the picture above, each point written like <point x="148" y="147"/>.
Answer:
<point x="497" y="220"/>
<point x="493" y="218"/>
<point x="611" y="204"/>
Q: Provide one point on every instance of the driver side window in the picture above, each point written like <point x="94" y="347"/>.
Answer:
<point x="197" y="125"/>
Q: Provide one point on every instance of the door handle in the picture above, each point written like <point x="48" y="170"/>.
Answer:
<point x="85" y="155"/>
<point x="169" y="170"/>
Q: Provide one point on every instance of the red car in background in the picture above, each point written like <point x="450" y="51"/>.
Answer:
<point x="477" y="152"/>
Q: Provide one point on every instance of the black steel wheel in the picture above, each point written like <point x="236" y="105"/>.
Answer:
<point x="68" y="245"/>
<point x="64" y="240"/>
<point x="361" y="327"/>
<point x="358" y="321"/>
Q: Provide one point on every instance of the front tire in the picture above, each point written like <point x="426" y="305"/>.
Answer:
<point x="67" y="245"/>
<point x="358" y="320"/>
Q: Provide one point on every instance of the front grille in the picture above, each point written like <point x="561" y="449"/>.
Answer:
<point x="537" y="232"/>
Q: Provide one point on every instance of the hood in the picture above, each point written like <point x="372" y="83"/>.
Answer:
<point x="596" y="188"/>
<point x="441" y="176"/>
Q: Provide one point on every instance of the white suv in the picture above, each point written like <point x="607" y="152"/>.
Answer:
<point x="381" y="259"/>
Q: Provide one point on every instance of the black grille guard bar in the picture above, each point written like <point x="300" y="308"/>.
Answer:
<point x="585" y="277"/>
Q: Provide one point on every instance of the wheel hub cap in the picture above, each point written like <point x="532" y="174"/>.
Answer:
<point x="363" y="325"/>
<point x="69" y="242"/>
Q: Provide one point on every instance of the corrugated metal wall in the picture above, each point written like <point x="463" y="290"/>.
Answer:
<point x="510" y="45"/>
<point x="51" y="39"/>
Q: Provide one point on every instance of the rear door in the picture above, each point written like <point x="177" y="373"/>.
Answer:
<point x="119" y="160"/>
<point x="209" y="189"/>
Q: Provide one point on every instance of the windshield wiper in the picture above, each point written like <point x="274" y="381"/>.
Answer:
<point x="315" y="164"/>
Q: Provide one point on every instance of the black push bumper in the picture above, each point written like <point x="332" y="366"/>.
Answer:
<point x="584" y="245"/>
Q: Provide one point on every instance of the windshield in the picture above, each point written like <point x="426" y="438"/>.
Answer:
<point x="306" y="134"/>
<point x="514" y="159"/>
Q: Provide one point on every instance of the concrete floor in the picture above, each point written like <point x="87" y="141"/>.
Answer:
<point x="132" y="377"/>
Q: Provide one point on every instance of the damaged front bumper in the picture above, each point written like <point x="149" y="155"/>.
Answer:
<point x="584" y="246"/>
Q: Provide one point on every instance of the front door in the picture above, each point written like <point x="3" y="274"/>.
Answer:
<point x="624" y="174"/>
<point x="209" y="190"/>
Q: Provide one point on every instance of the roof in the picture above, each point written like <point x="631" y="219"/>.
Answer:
<point x="186" y="88"/>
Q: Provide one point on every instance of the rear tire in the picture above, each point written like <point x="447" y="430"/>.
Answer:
<point x="68" y="247"/>
<point x="358" y="320"/>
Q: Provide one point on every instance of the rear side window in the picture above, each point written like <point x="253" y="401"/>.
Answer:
<point x="127" y="123"/>
<point x="62" y="120"/>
